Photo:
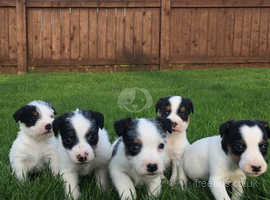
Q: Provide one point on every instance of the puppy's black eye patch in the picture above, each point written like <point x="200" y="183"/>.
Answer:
<point x="92" y="138"/>
<point x="134" y="149"/>
<point x="69" y="140"/>
<point x="238" y="148"/>
<point x="263" y="148"/>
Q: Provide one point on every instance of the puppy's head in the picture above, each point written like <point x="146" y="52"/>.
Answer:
<point x="177" y="109"/>
<point x="78" y="133"/>
<point x="36" y="119"/>
<point x="246" y="143"/>
<point x="144" y="141"/>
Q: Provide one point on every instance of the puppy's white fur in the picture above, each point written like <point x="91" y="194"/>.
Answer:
<point x="97" y="159"/>
<point x="33" y="148"/>
<point x="206" y="160"/>
<point x="129" y="171"/>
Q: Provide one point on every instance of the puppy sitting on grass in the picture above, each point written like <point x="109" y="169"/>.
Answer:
<point x="83" y="146"/>
<point x="33" y="147"/>
<point x="239" y="151"/>
<point x="176" y="109"/>
<point x="139" y="155"/>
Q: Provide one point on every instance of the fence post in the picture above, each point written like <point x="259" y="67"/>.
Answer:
<point x="165" y="34"/>
<point x="21" y="37"/>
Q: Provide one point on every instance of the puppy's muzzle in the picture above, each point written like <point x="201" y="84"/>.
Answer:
<point x="82" y="158"/>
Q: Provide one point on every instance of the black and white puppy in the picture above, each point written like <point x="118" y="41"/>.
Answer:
<point x="239" y="151"/>
<point x="139" y="155"/>
<point x="83" y="146"/>
<point x="177" y="109"/>
<point x="33" y="147"/>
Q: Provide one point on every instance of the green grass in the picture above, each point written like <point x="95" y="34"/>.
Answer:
<point x="218" y="95"/>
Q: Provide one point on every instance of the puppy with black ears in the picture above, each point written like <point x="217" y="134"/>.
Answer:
<point x="177" y="109"/>
<point x="33" y="147"/>
<point x="83" y="146"/>
<point x="139" y="155"/>
<point x="239" y="151"/>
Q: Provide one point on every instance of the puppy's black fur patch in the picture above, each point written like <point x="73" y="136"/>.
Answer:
<point x="232" y="138"/>
<point x="63" y="125"/>
<point x="27" y="114"/>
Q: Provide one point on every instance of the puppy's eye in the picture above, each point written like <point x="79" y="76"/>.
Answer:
<point x="68" y="140"/>
<point x="238" y="148"/>
<point x="263" y="147"/>
<point x="161" y="146"/>
<point x="182" y="109"/>
<point x="92" y="138"/>
<point x="51" y="116"/>
<point x="136" y="147"/>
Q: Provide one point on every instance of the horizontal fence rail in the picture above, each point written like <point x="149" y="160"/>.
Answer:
<point x="120" y="35"/>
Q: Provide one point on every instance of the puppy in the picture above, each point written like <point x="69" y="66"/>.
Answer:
<point x="239" y="151"/>
<point x="177" y="109"/>
<point x="83" y="146"/>
<point x="139" y="155"/>
<point x="33" y="147"/>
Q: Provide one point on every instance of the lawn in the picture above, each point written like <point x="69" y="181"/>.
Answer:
<point x="218" y="95"/>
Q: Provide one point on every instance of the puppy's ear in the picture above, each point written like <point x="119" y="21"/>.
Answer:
<point x="158" y="104"/>
<point x="99" y="119"/>
<point x="122" y="125"/>
<point x="165" y="124"/>
<point x="224" y="128"/>
<point x="23" y="113"/>
<point x="266" y="127"/>
<point x="57" y="123"/>
<point x="190" y="105"/>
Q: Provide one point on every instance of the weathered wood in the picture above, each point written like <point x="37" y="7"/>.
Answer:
<point x="96" y="4"/>
<point x="65" y="34"/>
<point x="93" y="34"/>
<point x="21" y="36"/>
<point x="8" y="3"/>
<point x="12" y="34"/>
<point x="84" y="34"/>
<point x="75" y="33"/>
<point x="102" y="26"/>
<point x="56" y="34"/>
<point x="165" y="33"/>
<point x="220" y="3"/>
<point x="110" y="34"/>
<point x="238" y="31"/>
<point x="155" y="33"/>
<point x="120" y="33"/>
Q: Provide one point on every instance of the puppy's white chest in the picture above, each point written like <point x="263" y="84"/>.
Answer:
<point x="176" y="144"/>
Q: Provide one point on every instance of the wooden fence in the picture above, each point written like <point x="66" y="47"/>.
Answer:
<point x="120" y="35"/>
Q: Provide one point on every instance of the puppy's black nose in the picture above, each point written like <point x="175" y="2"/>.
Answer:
<point x="48" y="127"/>
<point x="152" y="167"/>
<point x="256" y="168"/>
<point x="81" y="158"/>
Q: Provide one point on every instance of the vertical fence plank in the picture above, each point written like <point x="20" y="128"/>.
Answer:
<point x="255" y="33"/>
<point x="75" y="33"/>
<point x="120" y="34"/>
<point x="263" y="32"/>
<point x="84" y="34"/>
<point x="47" y="35"/>
<point x="246" y="32"/>
<point x="56" y="34"/>
<point x="229" y="32"/>
<point x="138" y="26"/>
<point x="129" y="34"/>
<point x="155" y="34"/>
<point x="212" y="33"/>
<point x="165" y="33"/>
<point x="110" y="35"/>
<point x="221" y="31"/>
<point x="102" y="23"/>
<point x="93" y="36"/>
<point x="147" y="33"/>
<point x="203" y="32"/>
<point x="238" y="31"/>
<point x="21" y="36"/>
<point x="65" y="33"/>
<point x="12" y="34"/>
<point x="36" y="34"/>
